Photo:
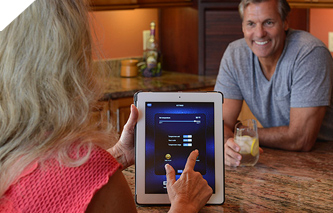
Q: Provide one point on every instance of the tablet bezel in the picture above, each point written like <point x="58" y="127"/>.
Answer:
<point x="140" y="100"/>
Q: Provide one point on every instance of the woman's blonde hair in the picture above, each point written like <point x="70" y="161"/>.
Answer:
<point x="47" y="87"/>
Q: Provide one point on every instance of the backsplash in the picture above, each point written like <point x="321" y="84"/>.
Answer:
<point x="111" y="66"/>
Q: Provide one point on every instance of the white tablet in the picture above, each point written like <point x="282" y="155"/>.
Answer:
<point x="170" y="126"/>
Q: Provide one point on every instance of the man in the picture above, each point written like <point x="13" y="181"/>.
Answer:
<point x="285" y="77"/>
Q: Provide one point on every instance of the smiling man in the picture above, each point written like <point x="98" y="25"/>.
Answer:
<point x="285" y="77"/>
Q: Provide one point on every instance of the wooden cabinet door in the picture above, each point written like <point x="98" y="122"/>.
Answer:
<point x="179" y="39"/>
<point x="161" y="1"/>
<point x="218" y="27"/>
<point x="119" y="112"/>
<point x="113" y="2"/>
<point x="164" y="3"/>
<point x="122" y="117"/>
<point x="97" y="5"/>
<point x="132" y="4"/>
<point x="324" y="1"/>
<point x="314" y="2"/>
<point x="100" y="115"/>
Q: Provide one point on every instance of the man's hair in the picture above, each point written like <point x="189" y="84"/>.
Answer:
<point x="283" y="7"/>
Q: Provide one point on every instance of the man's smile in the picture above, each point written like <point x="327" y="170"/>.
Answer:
<point x="261" y="42"/>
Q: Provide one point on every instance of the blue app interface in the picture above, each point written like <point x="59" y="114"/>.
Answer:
<point x="173" y="130"/>
<point x="176" y="135"/>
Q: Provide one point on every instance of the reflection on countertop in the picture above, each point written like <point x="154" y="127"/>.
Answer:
<point x="281" y="181"/>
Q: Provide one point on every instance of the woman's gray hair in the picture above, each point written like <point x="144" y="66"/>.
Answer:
<point x="283" y="7"/>
<point x="47" y="87"/>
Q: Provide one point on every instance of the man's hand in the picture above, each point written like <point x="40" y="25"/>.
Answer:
<point x="231" y="153"/>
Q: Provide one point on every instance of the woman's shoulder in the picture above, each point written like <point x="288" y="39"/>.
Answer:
<point x="101" y="159"/>
<point x="60" y="187"/>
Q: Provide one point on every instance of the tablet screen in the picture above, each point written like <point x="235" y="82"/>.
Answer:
<point x="170" y="126"/>
<point x="173" y="130"/>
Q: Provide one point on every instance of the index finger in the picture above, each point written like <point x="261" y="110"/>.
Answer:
<point x="191" y="160"/>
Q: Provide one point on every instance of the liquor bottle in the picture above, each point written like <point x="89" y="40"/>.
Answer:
<point x="152" y="56"/>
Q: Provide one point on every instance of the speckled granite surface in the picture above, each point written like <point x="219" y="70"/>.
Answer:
<point x="119" y="87"/>
<point x="282" y="181"/>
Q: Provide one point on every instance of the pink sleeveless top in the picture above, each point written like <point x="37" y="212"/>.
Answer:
<point x="52" y="187"/>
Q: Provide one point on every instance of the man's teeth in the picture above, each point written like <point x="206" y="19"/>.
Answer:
<point x="261" y="42"/>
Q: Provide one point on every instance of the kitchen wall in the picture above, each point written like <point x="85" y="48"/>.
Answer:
<point x="118" y="33"/>
<point x="321" y="22"/>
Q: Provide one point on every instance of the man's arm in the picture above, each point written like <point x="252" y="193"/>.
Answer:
<point x="301" y="133"/>
<point x="309" y="95"/>
<point x="231" y="110"/>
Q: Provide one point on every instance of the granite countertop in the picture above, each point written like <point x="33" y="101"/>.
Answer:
<point x="120" y="87"/>
<point x="281" y="181"/>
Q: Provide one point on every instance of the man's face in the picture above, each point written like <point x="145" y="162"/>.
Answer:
<point x="263" y="29"/>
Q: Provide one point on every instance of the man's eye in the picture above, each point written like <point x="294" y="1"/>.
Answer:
<point x="250" y="24"/>
<point x="269" y="23"/>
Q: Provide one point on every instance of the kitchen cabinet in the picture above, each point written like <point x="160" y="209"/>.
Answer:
<point x="161" y="1"/>
<point x="311" y="3"/>
<point x="100" y="115"/>
<point x="111" y="114"/>
<point x="178" y="37"/>
<point x="113" y="4"/>
<point x="193" y="40"/>
<point x="133" y="4"/>
<point x="120" y="111"/>
<point x="219" y="24"/>
<point x="164" y="3"/>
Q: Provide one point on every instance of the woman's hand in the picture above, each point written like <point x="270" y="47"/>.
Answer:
<point x="123" y="151"/>
<point x="190" y="192"/>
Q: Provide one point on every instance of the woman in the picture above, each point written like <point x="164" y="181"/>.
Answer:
<point x="51" y="158"/>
